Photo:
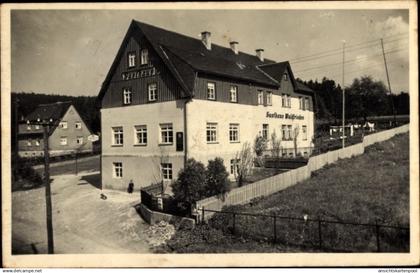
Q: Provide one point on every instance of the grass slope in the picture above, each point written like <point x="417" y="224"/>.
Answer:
<point x="364" y="189"/>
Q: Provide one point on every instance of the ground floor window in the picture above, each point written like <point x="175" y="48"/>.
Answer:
<point x="211" y="132"/>
<point x="141" y="135"/>
<point x="265" y="131"/>
<point x="166" y="133"/>
<point x="166" y="171"/>
<point x="234" y="166"/>
<point x="234" y="132"/>
<point x="63" y="140"/>
<point x="304" y="133"/>
<point x="286" y="131"/>
<point x="118" y="170"/>
<point x="79" y="140"/>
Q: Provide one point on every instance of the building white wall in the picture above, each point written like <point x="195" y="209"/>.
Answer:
<point x="251" y="118"/>
<point x="140" y="162"/>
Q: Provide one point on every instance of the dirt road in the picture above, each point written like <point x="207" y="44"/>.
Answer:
<point x="82" y="221"/>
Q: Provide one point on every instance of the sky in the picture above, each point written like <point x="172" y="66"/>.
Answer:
<point x="69" y="52"/>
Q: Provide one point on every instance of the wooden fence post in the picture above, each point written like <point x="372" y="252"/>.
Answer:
<point x="377" y="237"/>
<point x="233" y="228"/>
<point x="275" y="229"/>
<point x="319" y="234"/>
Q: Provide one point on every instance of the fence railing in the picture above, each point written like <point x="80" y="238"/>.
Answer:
<point x="284" y="180"/>
<point x="315" y="234"/>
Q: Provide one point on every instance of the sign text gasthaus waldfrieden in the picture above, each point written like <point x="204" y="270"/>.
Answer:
<point x="286" y="116"/>
<point x="149" y="72"/>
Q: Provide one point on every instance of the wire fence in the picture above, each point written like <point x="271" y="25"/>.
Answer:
<point x="311" y="234"/>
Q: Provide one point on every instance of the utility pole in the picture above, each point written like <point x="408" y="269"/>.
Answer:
<point x="45" y="125"/>
<point x="344" y="101"/>
<point x="389" y="83"/>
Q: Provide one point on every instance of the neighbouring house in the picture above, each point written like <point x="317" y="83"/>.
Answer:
<point x="168" y="97"/>
<point x="68" y="133"/>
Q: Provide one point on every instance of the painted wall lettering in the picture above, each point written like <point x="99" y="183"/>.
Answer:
<point x="285" y="116"/>
<point x="131" y="75"/>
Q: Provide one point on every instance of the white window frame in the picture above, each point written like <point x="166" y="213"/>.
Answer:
<point x="63" y="141"/>
<point x="28" y="127"/>
<point x="233" y="166"/>
<point x="78" y="125"/>
<point x="233" y="93"/>
<point x="63" y="125"/>
<point x="117" y="136"/>
<point x="260" y="97"/>
<point x="37" y="142"/>
<point x="304" y="132"/>
<point x="285" y="76"/>
<point x="306" y="103"/>
<point x="127" y="95"/>
<point x="36" y="127"/>
<point x="300" y="103"/>
<point x="211" y="132"/>
<point x="283" y="100"/>
<point x="269" y="98"/>
<point x="265" y="131"/>
<point x="289" y="132"/>
<point x="140" y="135"/>
<point x="144" y="54"/>
<point x="117" y="171"/>
<point x="28" y="143"/>
<point x="289" y="101"/>
<point x="211" y="91"/>
<point x="166" y="133"/>
<point x="167" y="173"/>
<point x="79" y="140"/>
<point x="234" y="133"/>
<point x="152" y="91"/>
<point x="131" y="59"/>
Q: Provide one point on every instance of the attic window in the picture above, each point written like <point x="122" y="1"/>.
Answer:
<point x="240" y="65"/>
<point x="144" y="54"/>
<point x="131" y="59"/>
<point x="285" y="77"/>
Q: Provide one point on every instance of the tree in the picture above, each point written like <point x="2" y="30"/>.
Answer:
<point x="275" y="145"/>
<point x="260" y="145"/>
<point x="243" y="161"/>
<point x="295" y="136"/>
<point x="367" y="97"/>
<point x="217" y="182"/>
<point x="190" y="185"/>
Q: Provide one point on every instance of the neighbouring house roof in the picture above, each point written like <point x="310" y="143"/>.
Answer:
<point x="54" y="111"/>
<point x="185" y="56"/>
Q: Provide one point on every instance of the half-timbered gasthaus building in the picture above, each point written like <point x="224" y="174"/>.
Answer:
<point x="169" y="97"/>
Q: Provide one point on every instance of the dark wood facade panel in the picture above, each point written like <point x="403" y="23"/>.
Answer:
<point x="167" y="87"/>
<point x="247" y="93"/>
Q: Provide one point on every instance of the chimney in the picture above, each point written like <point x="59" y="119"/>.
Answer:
<point x="260" y="54"/>
<point x="234" y="46"/>
<point x="206" y="39"/>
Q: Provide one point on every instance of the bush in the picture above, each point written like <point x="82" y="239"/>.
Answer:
<point x="217" y="182"/>
<point x="260" y="145"/>
<point x="190" y="185"/>
<point x="24" y="176"/>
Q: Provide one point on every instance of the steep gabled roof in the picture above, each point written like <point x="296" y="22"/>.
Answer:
<point x="219" y="60"/>
<point x="185" y="56"/>
<point x="54" y="111"/>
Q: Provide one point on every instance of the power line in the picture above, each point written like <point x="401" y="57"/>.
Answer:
<point x="337" y="53"/>
<point x="351" y="72"/>
<point x="352" y="61"/>
<point x="338" y="50"/>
